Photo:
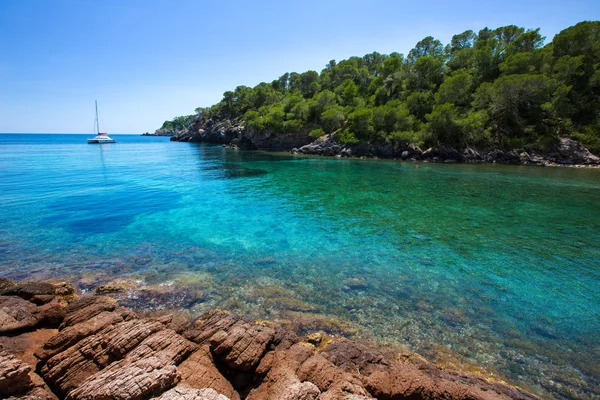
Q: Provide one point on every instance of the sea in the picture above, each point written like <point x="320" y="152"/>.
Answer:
<point x="490" y="269"/>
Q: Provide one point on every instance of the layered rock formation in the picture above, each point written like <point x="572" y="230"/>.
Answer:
<point x="104" y="351"/>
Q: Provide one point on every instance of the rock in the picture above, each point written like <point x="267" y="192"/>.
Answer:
<point x="356" y="283"/>
<point x="569" y="151"/>
<point x="239" y="344"/>
<point x="322" y="372"/>
<point x="405" y="381"/>
<point x="187" y="393"/>
<point x="37" y="393"/>
<point x="16" y="315"/>
<point x="279" y="370"/>
<point x="40" y="299"/>
<point x="315" y="338"/>
<point x="68" y="369"/>
<point x="50" y="315"/>
<point x="71" y="335"/>
<point x="28" y="289"/>
<point x="199" y="371"/>
<point x="138" y="380"/>
<point x="301" y="391"/>
<point x="6" y="283"/>
<point x="86" y="308"/>
<point x="14" y="375"/>
<point x="165" y="344"/>
<point x="353" y="357"/>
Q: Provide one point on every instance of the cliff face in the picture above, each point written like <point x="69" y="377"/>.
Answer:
<point x="104" y="351"/>
<point x="235" y="132"/>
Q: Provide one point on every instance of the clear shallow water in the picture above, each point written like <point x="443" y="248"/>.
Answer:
<point x="490" y="264"/>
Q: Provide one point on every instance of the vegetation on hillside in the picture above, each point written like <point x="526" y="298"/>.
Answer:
<point x="178" y="123"/>
<point x="498" y="87"/>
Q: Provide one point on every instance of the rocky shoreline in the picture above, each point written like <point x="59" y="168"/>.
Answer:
<point x="55" y="344"/>
<point x="234" y="134"/>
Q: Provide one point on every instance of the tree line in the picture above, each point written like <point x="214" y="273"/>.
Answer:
<point x="497" y="87"/>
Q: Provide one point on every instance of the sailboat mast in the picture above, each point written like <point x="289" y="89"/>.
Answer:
<point x="97" y="123"/>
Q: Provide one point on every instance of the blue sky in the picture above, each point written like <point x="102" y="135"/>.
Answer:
<point x="149" y="60"/>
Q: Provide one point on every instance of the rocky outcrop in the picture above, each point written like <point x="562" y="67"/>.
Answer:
<point x="103" y="351"/>
<point x="18" y="315"/>
<point x="18" y="381"/>
<point x="233" y="133"/>
<point x="218" y="132"/>
<point x="565" y="152"/>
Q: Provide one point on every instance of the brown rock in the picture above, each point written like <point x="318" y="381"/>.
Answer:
<point x="25" y="344"/>
<point x="40" y="299"/>
<point x="16" y="315"/>
<point x="199" y="371"/>
<point x="239" y="344"/>
<point x="38" y="393"/>
<point x="345" y="390"/>
<point x="186" y="393"/>
<point x="6" y="283"/>
<point x="405" y="381"/>
<point x="279" y="370"/>
<point x="86" y="308"/>
<point x="73" y="334"/>
<point x="353" y="357"/>
<point x="14" y="375"/>
<point x="323" y="373"/>
<point x="278" y="384"/>
<point x="165" y="344"/>
<point x="68" y="369"/>
<point x="27" y="290"/>
<point x="138" y="380"/>
<point x="208" y="324"/>
<point x="50" y="315"/>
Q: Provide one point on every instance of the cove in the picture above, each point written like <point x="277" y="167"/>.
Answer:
<point x="488" y="264"/>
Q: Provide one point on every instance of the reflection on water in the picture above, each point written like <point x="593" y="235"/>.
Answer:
<point x="488" y="264"/>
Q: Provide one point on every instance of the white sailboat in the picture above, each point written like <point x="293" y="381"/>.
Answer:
<point x="101" y="137"/>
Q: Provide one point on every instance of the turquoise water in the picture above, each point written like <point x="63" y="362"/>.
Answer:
<point x="495" y="265"/>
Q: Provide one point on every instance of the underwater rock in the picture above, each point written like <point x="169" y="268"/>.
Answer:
<point x="356" y="283"/>
<point x="6" y="283"/>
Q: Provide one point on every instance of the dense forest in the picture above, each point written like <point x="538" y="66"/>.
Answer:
<point x="498" y="87"/>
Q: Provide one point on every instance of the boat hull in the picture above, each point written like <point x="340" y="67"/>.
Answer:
<point x="101" y="141"/>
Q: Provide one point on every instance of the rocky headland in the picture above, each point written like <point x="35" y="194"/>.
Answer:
<point x="58" y="345"/>
<point x="234" y="134"/>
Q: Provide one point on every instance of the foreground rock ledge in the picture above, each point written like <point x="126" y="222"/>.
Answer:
<point x="103" y="351"/>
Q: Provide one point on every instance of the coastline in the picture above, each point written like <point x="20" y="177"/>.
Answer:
<point x="233" y="134"/>
<point x="167" y="354"/>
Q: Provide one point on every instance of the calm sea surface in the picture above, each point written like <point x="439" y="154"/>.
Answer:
<point x="494" y="265"/>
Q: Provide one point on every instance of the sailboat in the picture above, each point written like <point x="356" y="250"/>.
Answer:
<point x="101" y="137"/>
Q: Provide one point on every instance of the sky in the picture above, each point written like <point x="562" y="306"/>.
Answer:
<point x="146" y="61"/>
